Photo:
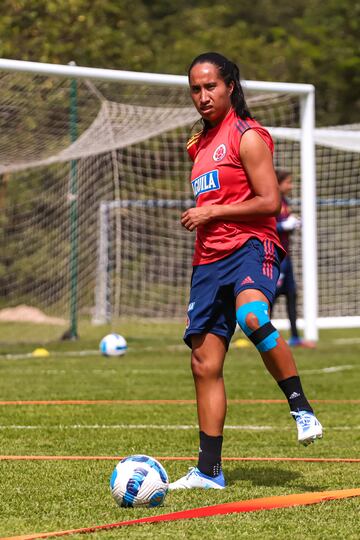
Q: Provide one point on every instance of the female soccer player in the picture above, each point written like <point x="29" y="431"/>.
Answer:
<point x="236" y="259"/>
<point x="286" y="224"/>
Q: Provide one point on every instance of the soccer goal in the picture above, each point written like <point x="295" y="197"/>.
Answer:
<point x="94" y="177"/>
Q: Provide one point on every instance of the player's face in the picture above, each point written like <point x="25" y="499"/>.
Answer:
<point x="209" y="92"/>
<point x="286" y="186"/>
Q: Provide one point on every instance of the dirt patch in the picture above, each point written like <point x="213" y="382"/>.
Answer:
<point x="25" y="313"/>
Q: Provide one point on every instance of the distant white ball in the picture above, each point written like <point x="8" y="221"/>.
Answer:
<point x="139" y="480"/>
<point x="113" y="345"/>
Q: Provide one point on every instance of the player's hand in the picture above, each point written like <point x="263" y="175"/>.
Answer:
<point x="291" y="223"/>
<point x="193" y="217"/>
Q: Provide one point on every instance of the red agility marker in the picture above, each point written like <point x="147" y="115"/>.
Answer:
<point x="178" y="458"/>
<point x="167" y="402"/>
<point x="252" y="505"/>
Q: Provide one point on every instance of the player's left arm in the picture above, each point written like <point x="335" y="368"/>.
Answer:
<point x="257" y="161"/>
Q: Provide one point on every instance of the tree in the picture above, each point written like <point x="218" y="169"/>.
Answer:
<point x="309" y="41"/>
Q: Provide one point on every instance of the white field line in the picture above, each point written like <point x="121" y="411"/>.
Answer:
<point x="179" y="347"/>
<point x="19" y="356"/>
<point x="162" y="427"/>
<point x="330" y="369"/>
<point x="92" y="352"/>
<point x="127" y="371"/>
<point x="347" y="341"/>
<point x="132" y="426"/>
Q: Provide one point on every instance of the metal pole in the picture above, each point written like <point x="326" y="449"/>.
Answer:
<point x="73" y="216"/>
<point x="101" y="313"/>
<point x="308" y="211"/>
<point x="136" y="77"/>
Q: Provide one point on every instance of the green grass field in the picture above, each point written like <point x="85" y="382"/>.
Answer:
<point x="44" y="496"/>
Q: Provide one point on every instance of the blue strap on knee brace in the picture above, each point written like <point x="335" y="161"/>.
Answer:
<point x="264" y="338"/>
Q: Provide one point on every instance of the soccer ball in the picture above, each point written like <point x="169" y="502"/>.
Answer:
<point x="139" y="481"/>
<point x="113" y="345"/>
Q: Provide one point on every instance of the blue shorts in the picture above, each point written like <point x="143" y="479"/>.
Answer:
<point x="215" y="286"/>
<point x="286" y="282"/>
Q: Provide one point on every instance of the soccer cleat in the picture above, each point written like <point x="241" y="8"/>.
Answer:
<point x="196" y="479"/>
<point x="299" y="342"/>
<point x="294" y="342"/>
<point x="308" y="426"/>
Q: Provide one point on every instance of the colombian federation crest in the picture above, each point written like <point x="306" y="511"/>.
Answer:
<point x="219" y="152"/>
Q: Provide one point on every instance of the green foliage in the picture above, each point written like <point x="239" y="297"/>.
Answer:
<point x="309" y="41"/>
<point x="302" y="41"/>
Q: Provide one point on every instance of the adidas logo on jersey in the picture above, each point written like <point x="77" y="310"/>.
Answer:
<point x="247" y="280"/>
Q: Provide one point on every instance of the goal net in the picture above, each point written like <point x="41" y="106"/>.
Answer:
<point x="94" y="177"/>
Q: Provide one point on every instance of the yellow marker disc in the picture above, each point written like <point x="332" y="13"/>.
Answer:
<point x="40" y="351"/>
<point x="242" y="343"/>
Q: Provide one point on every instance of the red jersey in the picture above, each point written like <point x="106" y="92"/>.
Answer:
<point x="218" y="177"/>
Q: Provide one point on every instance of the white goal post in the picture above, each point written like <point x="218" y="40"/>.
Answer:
<point x="117" y="125"/>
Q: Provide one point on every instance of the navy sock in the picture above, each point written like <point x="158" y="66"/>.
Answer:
<point x="294" y="394"/>
<point x="210" y="454"/>
<point x="291" y="307"/>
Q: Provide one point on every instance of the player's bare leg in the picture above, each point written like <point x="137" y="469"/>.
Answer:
<point x="207" y="361"/>
<point x="253" y="311"/>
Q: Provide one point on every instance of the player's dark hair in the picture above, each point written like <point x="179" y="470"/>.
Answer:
<point x="281" y="175"/>
<point x="229" y="72"/>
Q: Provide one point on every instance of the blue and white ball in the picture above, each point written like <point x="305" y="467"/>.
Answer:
<point x="113" y="345"/>
<point x="139" y="481"/>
